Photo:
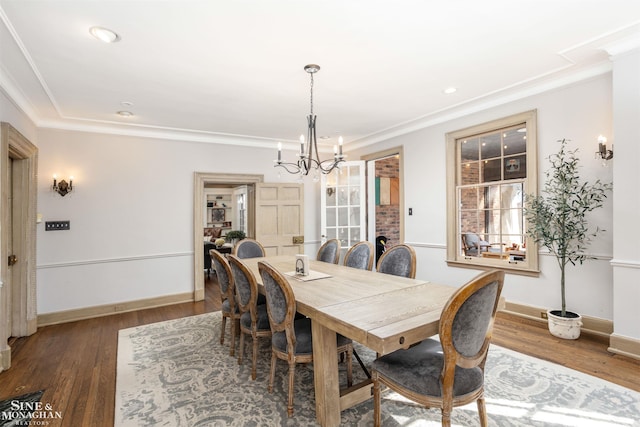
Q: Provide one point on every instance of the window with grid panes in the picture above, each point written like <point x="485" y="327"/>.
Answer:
<point x="490" y="168"/>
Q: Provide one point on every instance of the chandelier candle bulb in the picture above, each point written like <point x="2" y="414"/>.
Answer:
<point x="279" y="151"/>
<point x="340" y="145"/>
<point x="301" y="145"/>
<point x="55" y="180"/>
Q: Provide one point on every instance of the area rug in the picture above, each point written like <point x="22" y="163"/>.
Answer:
<point x="176" y="373"/>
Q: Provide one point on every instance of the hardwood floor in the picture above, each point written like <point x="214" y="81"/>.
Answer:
<point x="75" y="363"/>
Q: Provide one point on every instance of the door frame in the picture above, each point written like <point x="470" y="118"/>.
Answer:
<point x="371" y="203"/>
<point x="200" y="179"/>
<point x="17" y="305"/>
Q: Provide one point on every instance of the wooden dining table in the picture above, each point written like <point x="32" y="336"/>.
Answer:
<point x="380" y="311"/>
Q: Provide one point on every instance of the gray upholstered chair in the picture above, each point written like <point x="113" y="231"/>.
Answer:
<point x="360" y="256"/>
<point x="291" y="338"/>
<point x="248" y="248"/>
<point x="207" y="257"/>
<point x="254" y="320"/>
<point x="449" y="372"/>
<point x="227" y="295"/>
<point x="329" y="251"/>
<point x="473" y="245"/>
<point x="399" y="260"/>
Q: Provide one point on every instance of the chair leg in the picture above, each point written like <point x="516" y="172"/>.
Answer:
<point x="292" y="374"/>
<point x="377" y="416"/>
<point x="446" y="417"/>
<point x="272" y="375"/>
<point x="235" y="325"/>
<point x="254" y="360"/>
<point x="349" y="368"/>
<point x="241" y="347"/>
<point x="223" y="327"/>
<point x="482" y="412"/>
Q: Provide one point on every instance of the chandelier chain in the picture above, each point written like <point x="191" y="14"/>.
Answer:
<point x="311" y="86"/>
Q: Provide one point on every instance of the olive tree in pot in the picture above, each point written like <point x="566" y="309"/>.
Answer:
<point x="557" y="220"/>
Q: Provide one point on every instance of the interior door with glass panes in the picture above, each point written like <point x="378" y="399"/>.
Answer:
<point x="343" y="204"/>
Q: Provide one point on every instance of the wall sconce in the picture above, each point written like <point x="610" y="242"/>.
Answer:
<point x="602" y="152"/>
<point x="62" y="187"/>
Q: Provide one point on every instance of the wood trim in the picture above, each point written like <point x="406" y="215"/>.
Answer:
<point x="108" y="309"/>
<point x="625" y="346"/>
<point x="379" y="155"/>
<point x="591" y="325"/>
<point x="452" y="177"/>
<point x="18" y="305"/>
<point x="200" y="179"/>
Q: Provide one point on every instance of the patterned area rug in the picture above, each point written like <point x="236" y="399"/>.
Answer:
<point x="176" y="373"/>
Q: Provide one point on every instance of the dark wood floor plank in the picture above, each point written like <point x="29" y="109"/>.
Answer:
<point x="75" y="363"/>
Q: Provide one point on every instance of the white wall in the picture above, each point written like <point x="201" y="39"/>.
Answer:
<point x="131" y="214"/>
<point x="580" y="113"/>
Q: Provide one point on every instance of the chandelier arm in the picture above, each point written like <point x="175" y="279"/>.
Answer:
<point x="292" y="168"/>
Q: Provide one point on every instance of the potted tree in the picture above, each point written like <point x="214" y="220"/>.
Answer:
<point x="557" y="220"/>
<point x="234" y="235"/>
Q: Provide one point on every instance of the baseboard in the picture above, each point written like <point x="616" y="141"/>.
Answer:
<point x="625" y="346"/>
<point x="591" y="325"/>
<point x="109" y="309"/>
<point x="5" y="359"/>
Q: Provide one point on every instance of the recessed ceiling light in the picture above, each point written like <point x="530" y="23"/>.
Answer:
<point x="125" y="113"/>
<point x="450" y="90"/>
<point x="104" y="34"/>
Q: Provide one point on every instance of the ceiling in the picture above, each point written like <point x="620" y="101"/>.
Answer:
<point x="232" y="71"/>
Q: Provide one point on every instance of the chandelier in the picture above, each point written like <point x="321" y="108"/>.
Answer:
<point x="308" y="158"/>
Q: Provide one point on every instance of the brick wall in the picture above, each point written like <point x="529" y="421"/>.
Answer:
<point x="388" y="216"/>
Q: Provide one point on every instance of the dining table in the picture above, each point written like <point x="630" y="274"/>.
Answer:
<point x="380" y="311"/>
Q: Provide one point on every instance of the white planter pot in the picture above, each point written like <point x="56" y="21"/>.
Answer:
<point x="564" y="327"/>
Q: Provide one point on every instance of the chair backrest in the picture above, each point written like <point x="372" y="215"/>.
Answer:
<point x="248" y="248"/>
<point x="470" y="240"/>
<point x="360" y="256"/>
<point x="207" y="256"/>
<point x="245" y="283"/>
<point x="466" y="322"/>
<point x="399" y="260"/>
<point x="329" y="252"/>
<point x="281" y="303"/>
<point x="225" y="277"/>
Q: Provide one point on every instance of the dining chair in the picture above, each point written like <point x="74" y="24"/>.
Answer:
<point x="360" y="256"/>
<point x="254" y="319"/>
<point x="227" y="295"/>
<point x="291" y="338"/>
<point x="329" y="251"/>
<point x="448" y="372"/>
<point x="248" y="248"/>
<point x="399" y="260"/>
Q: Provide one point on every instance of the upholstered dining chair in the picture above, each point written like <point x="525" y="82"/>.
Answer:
<point x="329" y="251"/>
<point x="399" y="260"/>
<point x="448" y="372"/>
<point x="291" y="338"/>
<point x="360" y="256"/>
<point x="248" y="248"/>
<point x="227" y="295"/>
<point x="254" y="320"/>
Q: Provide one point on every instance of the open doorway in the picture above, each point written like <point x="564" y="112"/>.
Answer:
<point x="385" y="199"/>
<point x="202" y="182"/>
<point x="18" y="306"/>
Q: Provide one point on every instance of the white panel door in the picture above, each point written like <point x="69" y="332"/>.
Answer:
<point x="343" y="207"/>
<point x="280" y="218"/>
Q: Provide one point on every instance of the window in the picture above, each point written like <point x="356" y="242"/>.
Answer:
<point x="489" y="169"/>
